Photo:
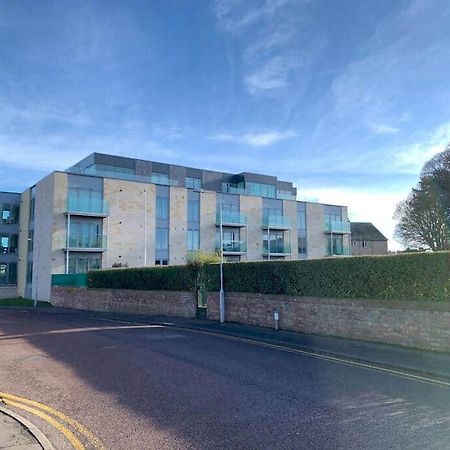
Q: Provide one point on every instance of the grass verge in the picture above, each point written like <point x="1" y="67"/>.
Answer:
<point x="22" y="302"/>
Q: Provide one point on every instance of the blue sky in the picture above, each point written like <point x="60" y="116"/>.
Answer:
<point x="345" y="98"/>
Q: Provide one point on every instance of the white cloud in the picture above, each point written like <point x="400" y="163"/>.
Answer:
<point x="383" y="129"/>
<point x="411" y="158"/>
<point x="363" y="206"/>
<point x="256" y="139"/>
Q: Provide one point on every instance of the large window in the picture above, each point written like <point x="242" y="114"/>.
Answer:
<point x="162" y="208"/>
<point x="276" y="242"/>
<point x="193" y="210"/>
<point x="302" y="246"/>
<point x="193" y="240"/>
<point x="261" y="189"/>
<point x="85" y="235"/>
<point x="193" y="183"/>
<point x="335" y="245"/>
<point x="160" y="178"/>
<point x="301" y="220"/>
<point x="272" y="212"/>
<point x="12" y="274"/>
<point x="162" y="238"/>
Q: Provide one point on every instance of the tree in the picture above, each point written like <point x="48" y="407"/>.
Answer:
<point x="424" y="217"/>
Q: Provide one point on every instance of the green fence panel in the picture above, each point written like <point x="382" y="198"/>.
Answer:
<point x="70" y="279"/>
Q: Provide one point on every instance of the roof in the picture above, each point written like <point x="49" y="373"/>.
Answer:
<point x="366" y="231"/>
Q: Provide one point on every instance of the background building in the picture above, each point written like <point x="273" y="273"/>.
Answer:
<point x="109" y="210"/>
<point x="9" y="238"/>
<point x="367" y="239"/>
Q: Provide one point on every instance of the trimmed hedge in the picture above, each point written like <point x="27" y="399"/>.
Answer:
<point x="171" y="278"/>
<point x="416" y="276"/>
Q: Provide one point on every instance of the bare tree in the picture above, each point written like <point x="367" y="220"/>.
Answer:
<point x="424" y="217"/>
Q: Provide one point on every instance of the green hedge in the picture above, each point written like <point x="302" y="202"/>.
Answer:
<point x="417" y="276"/>
<point x="171" y="278"/>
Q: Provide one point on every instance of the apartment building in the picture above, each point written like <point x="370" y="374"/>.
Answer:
<point x="9" y="237"/>
<point x="108" y="211"/>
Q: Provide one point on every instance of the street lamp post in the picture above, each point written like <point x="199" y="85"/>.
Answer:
<point x="221" y="293"/>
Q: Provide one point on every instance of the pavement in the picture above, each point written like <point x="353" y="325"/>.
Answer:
<point x="15" y="436"/>
<point x="134" y="382"/>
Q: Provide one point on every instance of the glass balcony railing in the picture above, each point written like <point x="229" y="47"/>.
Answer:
<point x="338" y="251"/>
<point x="338" y="227"/>
<point x="233" y="246"/>
<point x="231" y="218"/>
<point x="81" y="204"/>
<point x="277" y="222"/>
<point x="276" y="248"/>
<point x="86" y="242"/>
<point x="233" y="190"/>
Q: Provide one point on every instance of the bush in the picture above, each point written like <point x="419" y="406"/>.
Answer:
<point x="171" y="278"/>
<point x="418" y="276"/>
<point x="414" y="276"/>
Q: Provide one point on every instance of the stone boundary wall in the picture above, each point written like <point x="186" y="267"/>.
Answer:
<point x="161" y="303"/>
<point x="423" y="325"/>
<point x="8" y="291"/>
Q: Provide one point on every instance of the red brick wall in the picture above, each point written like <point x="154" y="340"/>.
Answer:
<point x="416" y="324"/>
<point x="164" y="303"/>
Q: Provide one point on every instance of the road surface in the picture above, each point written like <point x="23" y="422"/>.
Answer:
<point x="153" y="387"/>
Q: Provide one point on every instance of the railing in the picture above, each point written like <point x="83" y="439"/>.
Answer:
<point x="231" y="218"/>
<point x="232" y="246"/>
<point x="277" y="221"/>
<point x="70" y="279"/>
<point x="276" y="248"/>
<point x="338" y="227"/>
<point x="86" y="242"/>
<point x="81" y="204"/>
<point x="339" y="251"/>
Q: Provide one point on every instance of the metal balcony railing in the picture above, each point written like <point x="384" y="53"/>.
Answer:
<point x="276" y="222"/>
<point x="337" y="227"/>
<point x="231" y="218"/>
<point x="86" y="242"/>
<point x="84" y="204"/>
<point x="276" y="248"/>
<point x="233" y="246"/>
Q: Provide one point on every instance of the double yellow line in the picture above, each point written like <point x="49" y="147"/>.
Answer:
<point x="51" y="415"/>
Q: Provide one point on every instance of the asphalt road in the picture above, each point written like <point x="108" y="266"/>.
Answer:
<point x="164" y="388"/>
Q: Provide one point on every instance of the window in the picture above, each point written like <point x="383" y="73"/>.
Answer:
<point x="354" y="243"/>
<point x="85" y="235"/>
<point x="272" y="212"/>
<point x="30" y="271"/>
<point x="301" y="220"/>
<point x="162" y="238"/>
<point x="12" y="275"/>
<point x="30" y="240"/>
<point x="333" y="217"/>
<point x="302" y="246"/>
<point x="285" y="195"/>
<point x="276" y="242"/>
<point x="365" y="244"/>
<point x="4" y="244"/>
<point x="13" y="240"/>
<point x="160" y="178"/>
<point x="193" y="240"/>
<point x="193" y="210"/>
<point x="3" y="268"/>
<point x="6" y="213"/>
<point x="193" y="183"/>
<point x="161" y="262"/>
<point x="335" y="245"/>
<point x="82" y="264"/>
<point x="162" y="208"/>
<point x="261" y="190"/>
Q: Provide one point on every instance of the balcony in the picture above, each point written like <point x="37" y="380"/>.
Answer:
<point x="232" y="247"/>
<point x="338" y="251"/>
<point x="85" y="243"/>
<point x="87" y="206"/>
<point x="337" y="227"/>
<point x="277" y="222"/>
<point x="231" y="219"/>
<point x="276" y="249"/>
